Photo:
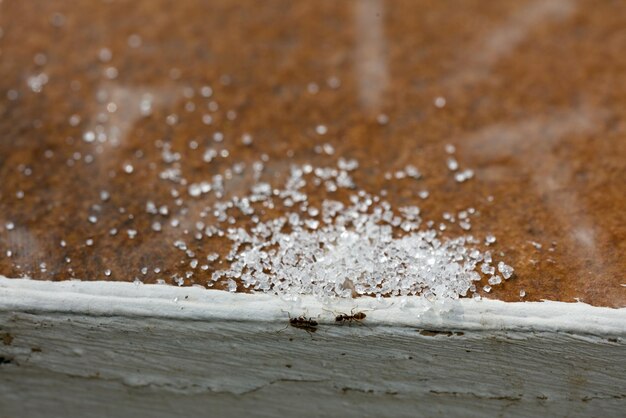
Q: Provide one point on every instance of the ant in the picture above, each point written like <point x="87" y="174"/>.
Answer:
<point x="302" y="322"/>
<point x="357" y="317"/>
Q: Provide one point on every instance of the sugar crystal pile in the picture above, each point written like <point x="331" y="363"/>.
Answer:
<point x="363" y="247"/>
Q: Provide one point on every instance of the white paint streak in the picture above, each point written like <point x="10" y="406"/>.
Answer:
<point x="480" y="58"/>
<point x="534" y="139"/>
<point x="370" y="63"/>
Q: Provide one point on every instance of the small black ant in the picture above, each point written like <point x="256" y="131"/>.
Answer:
<point x="357" y="317"/>
<point x="302" y="322"/>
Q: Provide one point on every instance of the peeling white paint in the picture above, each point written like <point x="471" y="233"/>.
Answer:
<point x="163" y="301"/>
<point x="91" y="349"/>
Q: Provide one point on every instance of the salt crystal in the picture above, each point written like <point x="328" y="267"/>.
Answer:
<point x="89" y="136"/>
<point x="347" y="165"/>
<point x="507" y="271"/>
<point x="321" y="129"/>
<point x="412" y="171"/>
<point x="105" y="55"/>
<point x="206" y="91"/>
<point x="207" y="119"/>
<point x="487" y="269"/>
<point x="171" y="119"/>
<point x="134" y="41"/>
<point x="494" y="280"/>
<point x="246" y="139"/>
<point x="212" y="257"/>
<point x="312" y="224"/>
<point x="194" y="190"/>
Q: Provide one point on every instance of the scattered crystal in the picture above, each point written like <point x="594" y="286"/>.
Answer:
<point x="453" y="165"/>
<point x="487" y="269"/>
<point x="206" y="91"/>
<point x="134" y="41"/>
<point x="507" y="271"/>
<point x="105" y="55"/>
<point x="89" y="136"/>
<point x="246" y="139"/>
<point x="464" y="175"/>
<point x="288" y="229"/>
<point x="494" y="280"/>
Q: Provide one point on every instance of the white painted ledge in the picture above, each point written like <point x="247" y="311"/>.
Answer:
<point x="108" y="349"/>
<point x="195" y="303"/>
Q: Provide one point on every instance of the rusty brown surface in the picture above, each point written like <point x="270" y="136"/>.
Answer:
<point x="535" y="103"/>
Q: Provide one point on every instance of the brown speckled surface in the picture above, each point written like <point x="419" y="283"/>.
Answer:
<point x="535" y="103"/>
